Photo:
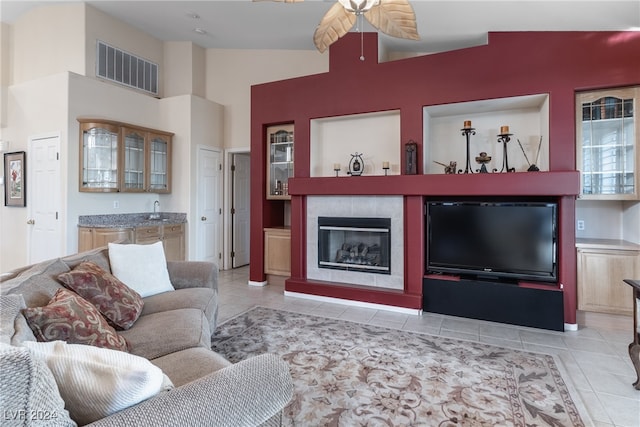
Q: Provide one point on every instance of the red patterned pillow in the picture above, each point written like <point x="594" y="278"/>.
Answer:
<point x="68" y="317"/>
<point x="117" y="302"/>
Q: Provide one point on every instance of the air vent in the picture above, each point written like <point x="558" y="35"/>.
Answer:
<point x="126" y="69"/>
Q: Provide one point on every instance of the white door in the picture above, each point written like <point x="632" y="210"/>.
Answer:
<point x="43" y="198"/>
<point x="240" y="209"/>
<point x="209" y="206"/>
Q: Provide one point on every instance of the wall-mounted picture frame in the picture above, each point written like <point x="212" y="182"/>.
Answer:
<point x="15" y="179"/>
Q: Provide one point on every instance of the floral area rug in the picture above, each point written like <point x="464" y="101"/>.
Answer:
<point x="350" y="374"/>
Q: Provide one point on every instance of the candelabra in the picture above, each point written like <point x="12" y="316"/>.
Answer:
<point x="467" y="132"/>
<point x="504" y="138"/>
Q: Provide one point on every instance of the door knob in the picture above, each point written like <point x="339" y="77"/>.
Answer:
<point x="31" y="222"/>
<point x="204" y="218"/>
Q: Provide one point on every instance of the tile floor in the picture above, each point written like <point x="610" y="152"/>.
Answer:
<point x="596" y="360"/>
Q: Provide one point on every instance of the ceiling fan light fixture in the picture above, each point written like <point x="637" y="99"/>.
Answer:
<point x="358" y="6"/>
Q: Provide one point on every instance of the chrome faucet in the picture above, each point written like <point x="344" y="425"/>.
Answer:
<point x="155" y="214"/>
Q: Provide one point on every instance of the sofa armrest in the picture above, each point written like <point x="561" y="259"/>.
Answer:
<point x="193" y="274"/>
<point x="247" y="393"/>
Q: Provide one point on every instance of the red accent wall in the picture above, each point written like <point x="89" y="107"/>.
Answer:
<point x="511" y="64"/>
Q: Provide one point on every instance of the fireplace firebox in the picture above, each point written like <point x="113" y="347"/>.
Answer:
<point x="355" y="244"/>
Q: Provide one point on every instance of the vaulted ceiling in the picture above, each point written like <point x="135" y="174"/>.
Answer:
<point x="442" y="25"/>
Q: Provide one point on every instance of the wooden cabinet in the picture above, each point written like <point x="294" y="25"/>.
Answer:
<point x="91" y="238"/>
<point x="600" y="279"/>
<point x="148" y="234"/>
<point x="277" y="251"/>
<point x="173" y="240"/>
<point x="120" y="157"/>
<point x="279" y="161"/>
<point x="607" y="130"/>
<point x="172" y="237"/>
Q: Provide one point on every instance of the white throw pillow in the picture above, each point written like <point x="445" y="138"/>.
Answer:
<point x="96" y="382"/>
<point x="141" y="267"/>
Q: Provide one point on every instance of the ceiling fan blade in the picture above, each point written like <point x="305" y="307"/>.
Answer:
<point x="334" y="24"/>
<point x="395" y="18"/>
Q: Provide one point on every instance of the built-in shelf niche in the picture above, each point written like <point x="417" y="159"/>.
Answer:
<point x="527" y="118"/>
<point x="334" y="139"/>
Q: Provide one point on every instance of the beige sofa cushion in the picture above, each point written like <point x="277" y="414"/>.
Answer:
<point x="37" y="284"/>
<point x="99" y="256"/>
<point x="188" y="365"/>
<point x="155" y="335"/>
<point x="201" y="298"/>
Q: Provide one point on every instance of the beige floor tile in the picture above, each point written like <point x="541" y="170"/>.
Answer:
<point x="596" y="361"/>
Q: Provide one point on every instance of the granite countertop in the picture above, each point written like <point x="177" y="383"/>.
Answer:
<point x="588" y="243"/>
<point x="131" y="220"/>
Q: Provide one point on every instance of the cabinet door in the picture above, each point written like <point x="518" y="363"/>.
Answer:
<point x="607" y="155"/>
<point x="85" y="239"/>
<point x="98" y="157"/>
<point x="150" y="234"/>
<point x="279" y="161"/>
<point x="600" y="275"/>
<point x="103" y="236"/>
<point x="133" y="160"/>
<point x="174" y="242"/>
<point x="277" y="252"/>
<point x="159" y="163"/>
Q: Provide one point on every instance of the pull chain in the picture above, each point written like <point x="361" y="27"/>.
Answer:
<point x="361" y="37"/>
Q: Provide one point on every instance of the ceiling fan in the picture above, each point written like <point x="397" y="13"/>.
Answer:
<point x="393" y="17"/>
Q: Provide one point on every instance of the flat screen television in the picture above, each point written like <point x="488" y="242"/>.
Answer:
<point x="503" y="241"/>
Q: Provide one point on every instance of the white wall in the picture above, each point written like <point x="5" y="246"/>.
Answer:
<point x="231" y="73"/>
<point x="48" y="40"/>
<point x="5" y="71"/>
<point x="100" y="26"/>
<point x="195" y="121"/>
<point x="602" y="219"/>
<point x="34" y="108"/>
<point x="374" y="135"/>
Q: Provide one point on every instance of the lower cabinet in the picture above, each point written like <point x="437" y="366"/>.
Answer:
<point x="91" y="238"/>
<point x="172" y="237"/>
<point x="173" y="241"/>
<point x="277" y="251"/>
<point x="600" y="275"/>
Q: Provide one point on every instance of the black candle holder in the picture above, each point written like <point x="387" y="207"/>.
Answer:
<point x="467" y="132"/>
<point x="504" y="138"/>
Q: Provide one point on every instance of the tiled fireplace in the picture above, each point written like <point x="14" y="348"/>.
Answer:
<point x="356" y="240"/>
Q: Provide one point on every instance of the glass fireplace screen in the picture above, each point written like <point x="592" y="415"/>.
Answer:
<point x="355" y="244"/>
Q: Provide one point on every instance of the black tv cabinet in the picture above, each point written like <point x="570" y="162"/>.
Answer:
<point x="536" y="307"/>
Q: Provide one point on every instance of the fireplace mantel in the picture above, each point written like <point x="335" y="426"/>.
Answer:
<point x="562" y="183"/>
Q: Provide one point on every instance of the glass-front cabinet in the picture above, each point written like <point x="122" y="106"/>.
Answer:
<point x="279" y="161"/>
<point x="120" y="157"/>
<point x="99" y="157"/>
<point x="159" y="164"/>
<point x="133" y="168"/>
<point x="607" y="129"/>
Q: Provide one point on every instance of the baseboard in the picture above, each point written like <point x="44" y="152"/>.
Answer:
<point x="259" y="284"/>
<point x="403" y="310"/>
<point x="612" y="322"/>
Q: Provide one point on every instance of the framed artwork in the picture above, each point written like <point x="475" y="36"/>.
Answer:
<point x="15" y="179"/>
